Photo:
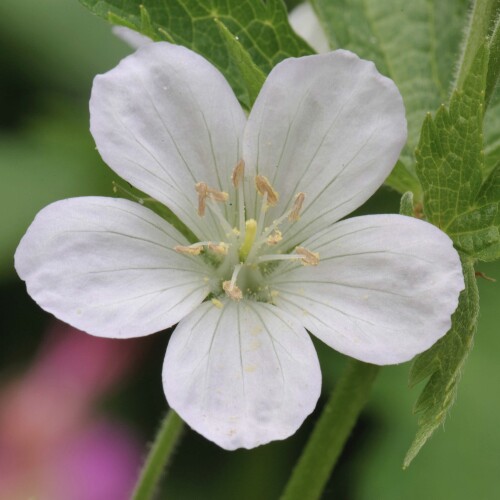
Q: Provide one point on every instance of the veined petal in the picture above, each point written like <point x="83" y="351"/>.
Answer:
<point x="107" y="266"/>
<point x="241" y="375"/>
<point x="327" y="125"/>
<point x="165" y="119"/>
<point x="384" y="290"/>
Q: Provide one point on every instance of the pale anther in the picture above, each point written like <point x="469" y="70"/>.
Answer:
<point x="238" y="173"/>
<point x="275" y="237"/>
<point x="232" y="290"/>
<point x="308" y="258"/>
<point x="217" y="303"/>
<point x="205" y="192"/>
<point x="189" y="250"/>
<point x="294" y="214"/>
<point x="264" y="187"/>
<point x="219" y="248"/>
<point x="215" y="195"/>
<point x="201" y="189"/>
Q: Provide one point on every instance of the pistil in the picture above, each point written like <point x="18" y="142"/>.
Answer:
<point x="250" y="233"/>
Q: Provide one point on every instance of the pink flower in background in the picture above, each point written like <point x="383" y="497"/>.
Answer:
<point x="53" y="446"/>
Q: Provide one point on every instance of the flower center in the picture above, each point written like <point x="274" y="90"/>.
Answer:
<point x="251" y="250"/>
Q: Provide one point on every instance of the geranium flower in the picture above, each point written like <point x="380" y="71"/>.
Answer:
<point x="268" y="258"/>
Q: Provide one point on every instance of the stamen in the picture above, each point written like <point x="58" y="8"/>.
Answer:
<point x="233" y="291"/>
<point x="219" y="248"/>
<point x="294" y="214"/>
<point x="250" y="233"/>
<point x="228" y="230"/>
<point x="217" y="303"/>
<point x="264" y="186"/>
<point x="189" y="250"/>
<point x="238" y="173"/>
<point x="308" y="258"/>
<point x="215" y="195"/>
<point x="278" y="256"/>
<point x="201" y="189"/>
<point x="237" y="178"/>
<point x="205" y="192"/>
<point x="274" y="238"/>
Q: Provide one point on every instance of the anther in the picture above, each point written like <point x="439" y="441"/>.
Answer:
<point x="189" y="250"/>
<point x="201" y="189"/>
<point x="274" y="238"/>
<point x="264" y="187"/>
<point x="238" y="173"/>
<point x="294" y="214"/>
<point x="308" y="258"/>
<point x="205" y="192"/>
<point x="219" y="248"/>
<point x="215" y="195"/>
<point x="232" y="290"/>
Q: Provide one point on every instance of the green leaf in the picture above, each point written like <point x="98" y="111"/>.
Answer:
<point x="251" y="75"/>
<point x="450" y="167"/>
<point x="414" y="43"/>
<point x="443" y="363"/>
<point x="261" y="27"/>
<point x="478" y="231"/>
<point x="494" y="63"/>
<point x="492" y="133"/>
<point x="402" y="180"/>
<point x="134" y="194"/>
<point x="481" y="22"/>
<point x="406" y="204"/>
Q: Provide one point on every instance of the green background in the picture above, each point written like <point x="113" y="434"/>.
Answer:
<point x="51" y="50"/>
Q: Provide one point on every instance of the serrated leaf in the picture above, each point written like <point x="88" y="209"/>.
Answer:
<point x="494" y="63"/>
<point x="492" y="133"/>
<point x="252" y="77"/>
<point x="261" y="27"/>
<point x="419" y="57"/>
<point x="450" y="167"/>
<point x="443" y="363"/>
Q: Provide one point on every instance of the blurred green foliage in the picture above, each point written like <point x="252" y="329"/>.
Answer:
<point x="54" y="48"/>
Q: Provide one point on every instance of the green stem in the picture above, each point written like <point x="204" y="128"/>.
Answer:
<point x="159" y="456"/>
<point x="331" y="432"/>
<point x="481" y="22"/>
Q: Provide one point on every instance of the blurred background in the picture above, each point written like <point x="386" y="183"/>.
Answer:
<point x="77" y="413"/>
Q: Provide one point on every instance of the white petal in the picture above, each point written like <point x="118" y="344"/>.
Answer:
<point x="330" y="126"/>
<point x="305" y="22"/>
<point x="384" y="289"/>
<point x="165" y="119"/>
<point x="107" y="266"/>
<point x="131" y="37"/>
<point x="242" y="375"/>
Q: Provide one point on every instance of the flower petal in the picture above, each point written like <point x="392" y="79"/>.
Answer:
<point x="384" y="289"/>
<point x="165" y="119"/>
<point x="305" y="23"/>
<point x="241" y="375"/>
<point x="327" y="125"/>
<point x="131" y="37"/>
<point x="107" y="266"/>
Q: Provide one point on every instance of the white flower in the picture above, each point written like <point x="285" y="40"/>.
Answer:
<point x="305" y="23"/>
<point x="263" y="196"/>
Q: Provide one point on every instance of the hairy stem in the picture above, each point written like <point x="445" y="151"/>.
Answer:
<point x="161" y="451"/>
<point x="331" y="432"/>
